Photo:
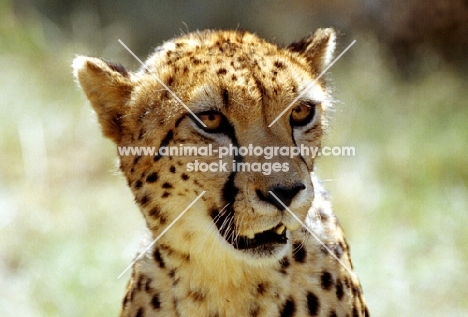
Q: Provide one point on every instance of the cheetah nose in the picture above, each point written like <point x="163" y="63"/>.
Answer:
<point x="285" y="194"/>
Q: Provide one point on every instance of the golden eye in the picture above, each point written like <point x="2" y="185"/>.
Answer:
<point x="302" y="114"/>
<point x="213" y="120"/>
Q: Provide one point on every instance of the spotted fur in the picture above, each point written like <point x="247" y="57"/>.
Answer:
<point x="236" y="251"/>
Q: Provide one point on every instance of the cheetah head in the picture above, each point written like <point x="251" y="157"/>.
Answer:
<point x="217" y="90"/>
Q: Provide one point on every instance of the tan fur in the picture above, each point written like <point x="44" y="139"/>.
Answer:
<point x="194" y="269"/>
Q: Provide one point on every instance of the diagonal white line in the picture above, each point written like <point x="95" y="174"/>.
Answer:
<point x="162" y="83"/>
<point x="162" y="233"/>
<point x="313" y="83"/>
<point x="223" y="208"/>
<point x="314" y="235"/>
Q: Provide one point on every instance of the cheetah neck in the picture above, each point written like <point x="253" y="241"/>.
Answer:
<point x="201" y="285"/>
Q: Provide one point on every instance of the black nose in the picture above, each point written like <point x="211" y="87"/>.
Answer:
<point x="285" y="194"/>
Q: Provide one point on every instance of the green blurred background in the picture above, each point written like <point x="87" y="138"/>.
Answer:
<point x="68" y="225"/>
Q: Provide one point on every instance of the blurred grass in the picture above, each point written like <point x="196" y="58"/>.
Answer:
<point x="68" y="225"/>
<point x="403" y="199"/>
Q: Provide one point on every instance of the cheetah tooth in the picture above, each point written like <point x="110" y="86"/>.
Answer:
<point x="251" y="235"/>
<point x="279" y="230"/>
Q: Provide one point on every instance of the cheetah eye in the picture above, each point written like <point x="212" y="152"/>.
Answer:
<point x="302" y="114"/>
<point x="212" y="119"/>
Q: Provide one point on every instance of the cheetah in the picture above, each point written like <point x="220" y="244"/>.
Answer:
<point x="253" y="243"/>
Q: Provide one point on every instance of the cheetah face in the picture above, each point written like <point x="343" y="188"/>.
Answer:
<point x="228" y="90"/>
<point x="247" y="215"/>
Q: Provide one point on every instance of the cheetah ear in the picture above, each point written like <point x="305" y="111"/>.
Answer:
<point x="108" y="88"/>
<point x="318" y="48"/>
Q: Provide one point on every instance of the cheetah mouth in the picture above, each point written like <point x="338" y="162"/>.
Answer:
<point x="268" y="238"/>
<point x="263" y="243"/>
